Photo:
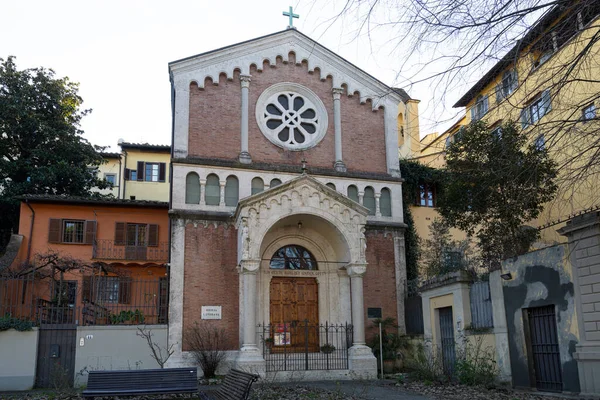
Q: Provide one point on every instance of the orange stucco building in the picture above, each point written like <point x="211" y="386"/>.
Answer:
<point x="119" y="249"/>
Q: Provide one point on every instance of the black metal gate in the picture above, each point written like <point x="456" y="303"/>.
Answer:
<point x="447" y="339"/>
<point x="56" y="355"/>
<point x="544" y="349"/>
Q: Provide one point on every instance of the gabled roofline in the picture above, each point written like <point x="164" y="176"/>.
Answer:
<point x="286" y="185"/>
<point x="384" y="88"/>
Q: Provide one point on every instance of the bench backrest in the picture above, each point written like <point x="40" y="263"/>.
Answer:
<point x="236" y="385"/>
<point x="144" y="379"/>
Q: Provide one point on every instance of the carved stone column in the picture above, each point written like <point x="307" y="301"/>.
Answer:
<point x="250" y="355"/>
<point x="337" y="125"/>
<point x="222" y="193"/>
<point x="202" y="192"/>
<point x="361" y="196"/>
<point x="360" y="358"/>
<point x="377" y="208"/>
<point x="244" y="154"/>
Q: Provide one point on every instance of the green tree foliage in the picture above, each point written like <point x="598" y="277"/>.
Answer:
<point x="497" y="181"/>
<point x="42" y="150"/>
<point x="414" y="174"/>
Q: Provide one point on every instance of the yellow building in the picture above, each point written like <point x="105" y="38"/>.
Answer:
<point x="139" y="172"/>
<point x="548" y="83"/>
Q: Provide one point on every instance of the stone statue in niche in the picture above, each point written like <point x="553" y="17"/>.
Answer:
<point x="245" y="239"/>
<point x="363" y="244"/>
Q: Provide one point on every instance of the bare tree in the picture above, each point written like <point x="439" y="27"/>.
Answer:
<point x="450" y="44"/>
<point x="159" y="353"/>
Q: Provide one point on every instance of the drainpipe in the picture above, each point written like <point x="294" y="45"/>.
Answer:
<point x="30" y="231"/>
<point x="124" y="177"/>
<point x="120" y="177"/>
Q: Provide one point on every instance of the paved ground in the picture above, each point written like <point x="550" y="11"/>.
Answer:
<point x="372" y="390"/>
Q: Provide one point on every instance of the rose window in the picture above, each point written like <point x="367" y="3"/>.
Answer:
<point x="294" y="118"/>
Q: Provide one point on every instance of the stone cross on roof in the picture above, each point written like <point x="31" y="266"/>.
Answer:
<point x="292" y="16"/>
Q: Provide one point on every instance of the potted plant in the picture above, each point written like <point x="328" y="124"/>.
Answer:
<point x="269" y="343"/>
<point x="327" y="348"/>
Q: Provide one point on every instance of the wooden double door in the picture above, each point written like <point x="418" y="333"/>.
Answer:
<point x="294" y="314"/>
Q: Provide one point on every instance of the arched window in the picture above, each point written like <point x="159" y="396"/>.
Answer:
<point x="257" y="185"/>
<point x="212" y="191"/>
<point x="385" y="203"/>
<point x="330" y="185"/>
<point x="369" y="200"/>
<point x="353" y="193"/>
<point x="293" y="257"/>
<point x="192" y="188"/>
<point x="231" y="191"/>
<point x="275" y="182"/>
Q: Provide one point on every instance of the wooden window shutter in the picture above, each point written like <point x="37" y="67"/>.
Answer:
<point x="152" y="235"/>
<point x="90" y="232"/>
<point x="127" y="174"/>
<point x="124" y="290"/>
<point x="88" y="289"/>
<point x="54" y="228"/>
<point x="120" y="233"/>
<point x="162" y="172"/>
<point x="140" y="170"/>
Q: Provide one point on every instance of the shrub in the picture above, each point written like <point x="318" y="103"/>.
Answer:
<point x="427" y="365"/>
<point x="9" y="322"/>
<point x="207" y="345"/>
<point x="476" y="364"/>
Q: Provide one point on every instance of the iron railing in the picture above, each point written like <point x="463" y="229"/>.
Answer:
<point x="105" y="249"/>
<point x="118" y="300"/>
<point x="302" y="346"/>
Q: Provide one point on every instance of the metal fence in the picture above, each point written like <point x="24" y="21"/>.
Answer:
<point x="90" y="300"/>
<point x="481" y="305"/>
<point x="105" y="249"/>
<point x="301" y="346"/>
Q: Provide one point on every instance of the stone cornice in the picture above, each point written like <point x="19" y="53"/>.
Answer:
<point x="242" y="56"/>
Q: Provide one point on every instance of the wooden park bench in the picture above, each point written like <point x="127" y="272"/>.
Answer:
<point x="141" y="382"/>
<point x="236" y="386"/>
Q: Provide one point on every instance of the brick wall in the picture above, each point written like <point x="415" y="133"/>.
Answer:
<point x="380" y="278"/>
<point x="215" y="115"/>
<point x="211" y="278"/>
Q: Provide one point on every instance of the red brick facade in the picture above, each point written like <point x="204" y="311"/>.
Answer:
<point x="215" y="115"/>
<point x="211" y="278"/>
<point x="380" y="278"/>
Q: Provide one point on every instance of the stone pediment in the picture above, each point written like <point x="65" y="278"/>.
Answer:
<point x="256" y="214"/>
<point x="242" y="56"/>
<point x="302" y="189"/>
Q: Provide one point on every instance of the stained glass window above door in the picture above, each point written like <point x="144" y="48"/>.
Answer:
<point x="293" y="257"/>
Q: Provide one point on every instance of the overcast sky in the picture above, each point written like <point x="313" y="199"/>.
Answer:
<point x="118" y="50"/>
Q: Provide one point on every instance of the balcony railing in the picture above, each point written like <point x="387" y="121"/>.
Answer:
<point x="105" y="249"/>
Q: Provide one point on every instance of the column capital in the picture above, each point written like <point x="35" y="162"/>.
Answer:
<point x="337" y="93"/>
<point x="245" y="80"/>
<point x="356" y="270"/>
<point x="249" y="267"/>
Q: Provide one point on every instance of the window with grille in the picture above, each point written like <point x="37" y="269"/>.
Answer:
<point x="73" y="231"/>
<point x="108" y="289"/>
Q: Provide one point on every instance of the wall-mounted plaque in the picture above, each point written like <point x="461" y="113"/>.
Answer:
<point x="211" y="312"/>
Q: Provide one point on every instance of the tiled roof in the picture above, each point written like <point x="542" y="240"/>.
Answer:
<point x="110" y="155"/>
<point x="145" y="146"/>
<point x="105" y="201"/>
<point x="543" y="23"/>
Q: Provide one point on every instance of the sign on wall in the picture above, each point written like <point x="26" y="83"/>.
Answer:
<point x="211" y="312"/>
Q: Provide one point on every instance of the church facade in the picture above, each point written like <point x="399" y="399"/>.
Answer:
<point x="286" y="204"/>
